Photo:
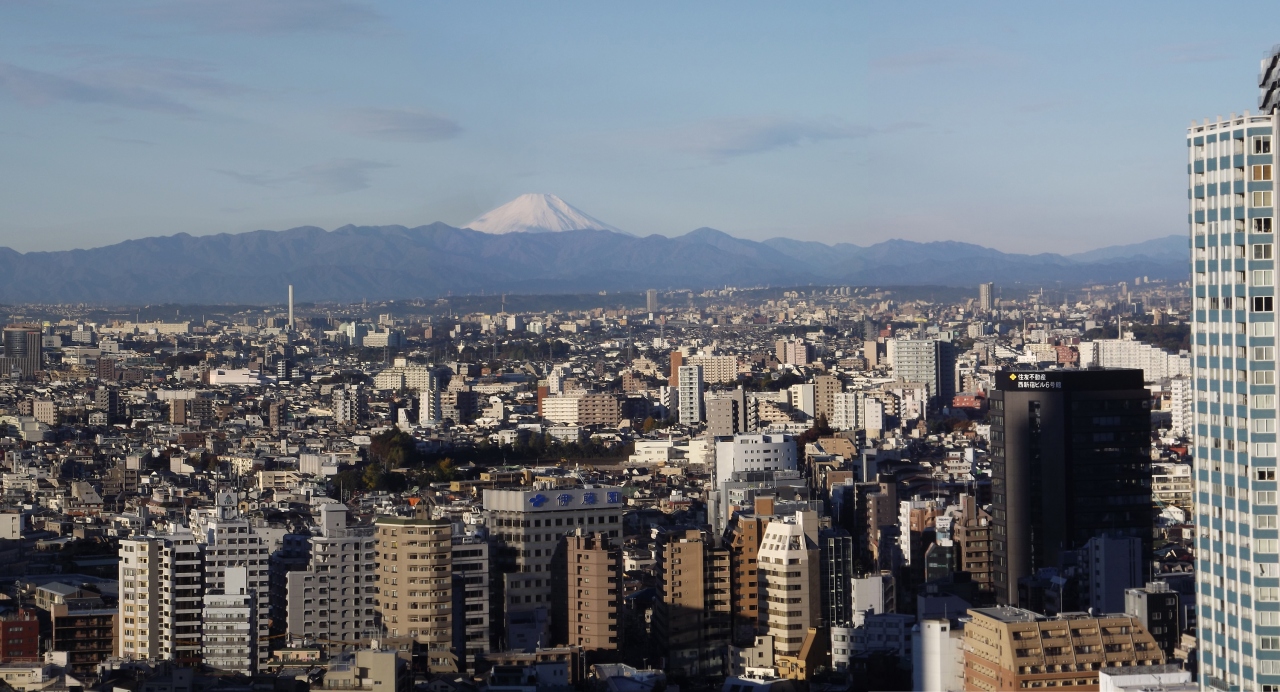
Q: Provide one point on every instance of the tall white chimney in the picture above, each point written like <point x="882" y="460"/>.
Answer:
<point x="290" y="327"/>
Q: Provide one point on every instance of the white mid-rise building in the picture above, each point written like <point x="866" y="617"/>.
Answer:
<point x="1181" y="402"/>
<point x="1155" y="363"/>
<point x="716" y="369"/>
<point x="230" y="631"/>
<point x="334" y="599"/>
<point x="689" y="404"/>
<point x="844" y="411"/>
<point x="759" y="452"/>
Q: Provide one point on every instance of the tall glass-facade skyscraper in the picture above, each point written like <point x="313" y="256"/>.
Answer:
<point x="1231" y="169"/>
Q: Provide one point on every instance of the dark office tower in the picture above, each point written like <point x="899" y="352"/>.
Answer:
<point x="835" y="552"/>
<point x="22" y="351"/>
<point x="1070" y="460"/>
<point x="284" y="371"/>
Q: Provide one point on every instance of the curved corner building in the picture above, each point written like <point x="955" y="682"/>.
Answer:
<point x="1231" y="188"/>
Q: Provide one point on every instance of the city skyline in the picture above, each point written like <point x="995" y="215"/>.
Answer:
<point x="205" y="118"/>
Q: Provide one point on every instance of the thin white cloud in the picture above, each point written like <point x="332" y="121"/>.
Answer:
<point x="41" y="88"/>
<point x="332" y="177"/>
<point x="727" y="138"/>
<point x="400" y="125"/>
<point x="126" y="81"/>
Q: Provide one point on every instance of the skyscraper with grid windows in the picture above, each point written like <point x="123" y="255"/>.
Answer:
<point x="1231" y="167"/>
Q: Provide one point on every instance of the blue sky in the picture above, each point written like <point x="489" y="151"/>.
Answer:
<point x="1030" y="127"/>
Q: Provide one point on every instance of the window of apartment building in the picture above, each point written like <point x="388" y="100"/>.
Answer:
<point x="1262" y="144"/>
<point x="1260" y="303"/>
<point x="1261" y="172"/>
<point x="1262" y="252"/>
<point x="1262" y="198"/>
<point x="1262" y="224"/>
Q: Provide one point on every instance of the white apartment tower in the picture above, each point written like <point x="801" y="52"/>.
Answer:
<point x="334" y="599"/>
<point x="161" y="584"/>
<point x="689" y="403"/>
<point x="230" y="543"/>
<point x="140" y="597"/>
<point x="429" y="411"/>
<point x="1231" y="169"/>
<point x="844" y="411"/>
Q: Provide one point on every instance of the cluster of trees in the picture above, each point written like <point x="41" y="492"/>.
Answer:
<point x="394" y="463"/>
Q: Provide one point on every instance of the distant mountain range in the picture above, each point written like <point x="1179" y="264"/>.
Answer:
<point x="394" y="262"/>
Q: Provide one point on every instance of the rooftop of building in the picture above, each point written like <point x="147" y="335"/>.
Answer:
<point x="1012" y="614"/>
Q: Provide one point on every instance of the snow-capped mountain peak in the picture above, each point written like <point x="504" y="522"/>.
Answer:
<point x="535" y="213"/>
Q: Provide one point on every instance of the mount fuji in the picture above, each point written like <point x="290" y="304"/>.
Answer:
<point x="535" y="213"/>
<point x="533" y="244"/>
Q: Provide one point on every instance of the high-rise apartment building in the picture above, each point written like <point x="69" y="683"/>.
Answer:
<point x="527" y="528"/>
<point x="161" y="586"/>
<point x="1231" y="164"/>
<point x="986" y="296"/>
<point x="350" y="404"/>
<point x="472" y="597"/>
<point x="333" y="599"/>
<point x="790" y="580"/>
<point x="415" y="586"/>
<point x="692" y="621"/>
<point x="931" y="362"/>
<point x="1070" y="460"/>
<point x="651" y="300"/>
<point x="231" y="543"/>
<point x="971" y="536"/>
<point x="844" y="411"/>
<point x="732" y="414"/>
<point x="743" y="536"/>
<point x="689" y="404"/>
<point x="593" y="586"/>
<point x="430" y="411"/>
<point x="825" y="388"/>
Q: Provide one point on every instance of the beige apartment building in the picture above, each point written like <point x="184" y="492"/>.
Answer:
<point x="594" y="585"/>
<point x="693" y="621"/>
<point x="1007" y="648"/>
<point x="415" y="586"/>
